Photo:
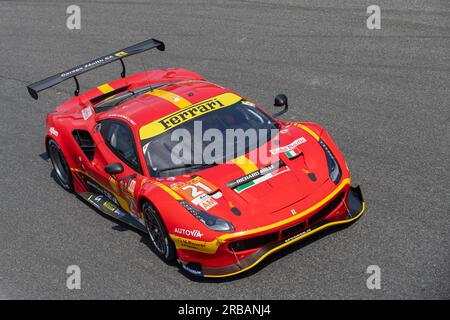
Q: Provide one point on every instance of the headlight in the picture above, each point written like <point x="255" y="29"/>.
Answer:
<point x="212" y="222"/>
<point x="333" y="167"/>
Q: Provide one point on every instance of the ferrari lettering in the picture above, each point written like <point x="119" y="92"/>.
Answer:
<point x="159" y="126"/>
<point x="192" y="112"/>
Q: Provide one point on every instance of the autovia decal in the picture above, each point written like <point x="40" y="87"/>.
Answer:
<point x="189" y="233"/>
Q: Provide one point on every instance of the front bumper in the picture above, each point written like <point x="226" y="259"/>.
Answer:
<point x="353" y="207"/>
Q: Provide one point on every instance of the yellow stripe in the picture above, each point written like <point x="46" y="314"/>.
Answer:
<point x="325" y="226"/>
<point x="245" y="164"/>
<point x="309" y="131"/>
<point x="177" y="100"/>
<point x="105" y="88"/>
<point x="174" y="195"/>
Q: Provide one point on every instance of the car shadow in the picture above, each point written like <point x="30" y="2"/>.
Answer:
<point x="44" y="156"/>
<point x="123" y="227"/>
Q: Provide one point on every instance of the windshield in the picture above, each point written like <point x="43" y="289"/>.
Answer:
<point x="207" y="140"/>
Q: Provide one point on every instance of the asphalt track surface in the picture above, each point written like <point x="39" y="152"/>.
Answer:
<point x="382" y="94"/>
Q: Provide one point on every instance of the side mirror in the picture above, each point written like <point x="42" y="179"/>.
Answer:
<point x="114" y="168"/>
<point x="281" y="100"/>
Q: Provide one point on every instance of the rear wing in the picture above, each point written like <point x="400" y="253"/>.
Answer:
<point x="49" y="82"/>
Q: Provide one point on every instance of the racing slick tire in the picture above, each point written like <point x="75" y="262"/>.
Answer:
<point x="157" y="231"/>
<point x="59" y="162"/>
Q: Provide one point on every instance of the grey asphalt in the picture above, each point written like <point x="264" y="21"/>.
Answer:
<point x="382" y="94"/>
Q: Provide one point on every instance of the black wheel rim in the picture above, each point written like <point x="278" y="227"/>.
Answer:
<point x="155" y="230"/>
<point x="59" y="164"/>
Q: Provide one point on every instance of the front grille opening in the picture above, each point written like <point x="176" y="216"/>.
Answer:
<point x="253" y="243"/>
<point x="330" y="207"/>
<point x="295" y="229"/>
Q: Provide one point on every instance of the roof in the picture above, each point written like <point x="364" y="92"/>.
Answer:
<point x="163" y="101"/>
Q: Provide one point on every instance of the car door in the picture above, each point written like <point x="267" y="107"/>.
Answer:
<point x="115" y="143"/>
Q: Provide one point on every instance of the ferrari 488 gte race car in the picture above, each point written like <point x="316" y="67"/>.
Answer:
<point x="118" y="147"/>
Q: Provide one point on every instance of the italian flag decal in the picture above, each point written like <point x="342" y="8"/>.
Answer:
<point x="291" y="154"/>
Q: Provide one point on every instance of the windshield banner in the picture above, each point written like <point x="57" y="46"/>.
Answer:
<point x="172" y="120"/>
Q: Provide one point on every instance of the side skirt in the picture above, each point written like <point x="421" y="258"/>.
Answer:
<point x="105" y="205"/>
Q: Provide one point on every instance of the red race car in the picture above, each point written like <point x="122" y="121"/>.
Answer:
<point x="218" y="210"/>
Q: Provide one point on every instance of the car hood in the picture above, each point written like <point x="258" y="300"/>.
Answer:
<point x="299" y="169"/>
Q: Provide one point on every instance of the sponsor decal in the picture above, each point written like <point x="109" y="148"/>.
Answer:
<point x="253" y="175"/>
<point x="53" y="131"/>
<point x="102" y="191"/>
<point x="196" y="272"/>
<point x="289" y="147"/>
<point x="217" y="195"/>
<point x="293" y="153"/>
<point x="197" y="191"/>
<point x="188" y="244"/>
<point x="86" y="66"/>
<point x="263" y="178"/>
<point x="93" y="201"/>
<point x="208" y="203"/>
<point x="131" y="186"/>
<point x="121" y="54"/>
<point x="86" y="112"/>
<point x="109" y="206"/>
<point x="189" y="233"/>
<point x="168" y="122"/>
<point x="113" y="184"/>
<point x="297" y="235"/>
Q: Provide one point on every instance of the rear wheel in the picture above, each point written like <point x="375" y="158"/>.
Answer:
<point x="62" y="169"/>
<point x="158" y="234"/>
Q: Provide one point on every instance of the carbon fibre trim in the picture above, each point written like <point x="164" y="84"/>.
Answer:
<point x="103" y="204"/>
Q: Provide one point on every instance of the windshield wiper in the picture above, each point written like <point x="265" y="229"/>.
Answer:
<point x="189" y="166"/>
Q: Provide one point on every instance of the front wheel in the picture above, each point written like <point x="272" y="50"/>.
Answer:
<point x="62" y="169"/>
<point x="158" y="234"/>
